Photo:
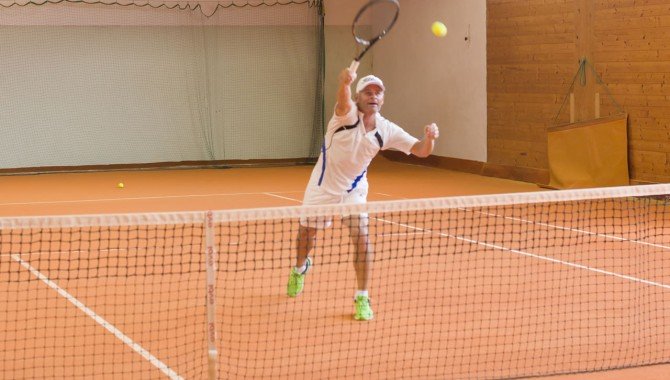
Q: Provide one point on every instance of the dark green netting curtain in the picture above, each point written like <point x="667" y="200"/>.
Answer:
<point x="99" y="83"/>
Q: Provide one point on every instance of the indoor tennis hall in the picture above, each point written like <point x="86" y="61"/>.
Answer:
<point x="154" y="156"/>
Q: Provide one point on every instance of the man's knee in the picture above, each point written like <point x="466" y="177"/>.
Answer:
<point x="357" y="223"/>
<point x="306" y="233"/>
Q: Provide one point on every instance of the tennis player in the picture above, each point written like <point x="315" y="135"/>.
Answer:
<point x="355" y="134"/>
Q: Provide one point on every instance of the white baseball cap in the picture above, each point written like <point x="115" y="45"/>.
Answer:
<point x="368" y="80"/>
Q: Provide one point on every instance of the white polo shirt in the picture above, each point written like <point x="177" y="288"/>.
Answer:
<point x="348" y="150"/>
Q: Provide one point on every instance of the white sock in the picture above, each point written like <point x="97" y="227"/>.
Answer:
<point x="363" y="293"/>
<point x="301" y="269"/>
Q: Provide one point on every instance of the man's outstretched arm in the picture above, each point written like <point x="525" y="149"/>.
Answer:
<point x="424" y="147"/>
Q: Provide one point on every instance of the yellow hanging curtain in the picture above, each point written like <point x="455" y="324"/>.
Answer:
<point x="591" y="153"/>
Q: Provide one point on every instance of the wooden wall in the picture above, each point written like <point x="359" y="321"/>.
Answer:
<point x="533" y="53"/>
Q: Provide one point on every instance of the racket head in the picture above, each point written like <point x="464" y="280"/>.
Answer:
<point x="374" y="20"/>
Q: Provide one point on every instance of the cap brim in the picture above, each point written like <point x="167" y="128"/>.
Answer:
<point x="372" y="84"/>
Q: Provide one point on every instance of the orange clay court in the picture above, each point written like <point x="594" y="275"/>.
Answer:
<point x="128" y="302"/>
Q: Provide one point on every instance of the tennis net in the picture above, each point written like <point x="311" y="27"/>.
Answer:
<point x="495" y="286"/>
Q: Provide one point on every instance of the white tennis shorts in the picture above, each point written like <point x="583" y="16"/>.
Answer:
<point x="315" y="196"/>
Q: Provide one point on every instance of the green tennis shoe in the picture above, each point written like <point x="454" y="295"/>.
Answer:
<point x="296" y="280"/>
<point x="363" y="309"/>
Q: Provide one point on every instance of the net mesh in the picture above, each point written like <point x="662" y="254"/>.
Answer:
<point x="470" y="287"/>
<point x="110" y="84"/>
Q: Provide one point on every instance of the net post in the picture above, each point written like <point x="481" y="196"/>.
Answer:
<point x="210" y="259"/>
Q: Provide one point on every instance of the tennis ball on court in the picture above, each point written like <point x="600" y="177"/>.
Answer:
<point x="120" y="185"/>
<point x="439" y="29"/>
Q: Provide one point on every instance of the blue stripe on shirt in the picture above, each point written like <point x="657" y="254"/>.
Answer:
<point x="353" y="185"/>
<point x="323" y="162"/>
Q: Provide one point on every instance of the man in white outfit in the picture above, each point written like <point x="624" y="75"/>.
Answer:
<point x="355" y="134"/>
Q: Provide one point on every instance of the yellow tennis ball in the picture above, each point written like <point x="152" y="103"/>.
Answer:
<point x="120" y="185"/>
<point x="439" y="29"/>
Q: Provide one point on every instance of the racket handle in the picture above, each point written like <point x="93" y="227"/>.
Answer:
<point x="354" y="65"/>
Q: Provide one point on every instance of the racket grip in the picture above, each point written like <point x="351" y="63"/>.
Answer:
<point x="354" y="65"/>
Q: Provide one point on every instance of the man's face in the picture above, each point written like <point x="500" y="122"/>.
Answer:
<point x="370" y="99"/>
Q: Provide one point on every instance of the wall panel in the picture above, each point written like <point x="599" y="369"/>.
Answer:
<point x="533" y="52"/>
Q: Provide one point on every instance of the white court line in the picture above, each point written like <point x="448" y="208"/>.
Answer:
<point x="101" y="321"/>
<point x="406" y="233"/>
<point x="101" y="252"/>
<point x="279" y="196"/>
<point x="78" y="252"/>
<point x="606" y="236"/>
<point x="539" y="257"/>
<point x="273" y="194"/>
<point x="140" y="198"/>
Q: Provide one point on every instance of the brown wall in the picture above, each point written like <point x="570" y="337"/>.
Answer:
<point x="533" y="53"/>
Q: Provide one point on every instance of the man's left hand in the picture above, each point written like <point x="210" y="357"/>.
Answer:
<point x="431" y="131"/>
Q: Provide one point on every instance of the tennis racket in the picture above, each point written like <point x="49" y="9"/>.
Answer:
<point x="371" y="24"/>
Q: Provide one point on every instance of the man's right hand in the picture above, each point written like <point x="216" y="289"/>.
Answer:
<point x="347" y="77"/>
<point x="344" y="103"/>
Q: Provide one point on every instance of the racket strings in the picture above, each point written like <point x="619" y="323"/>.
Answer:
<point x="375" y="20"/>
